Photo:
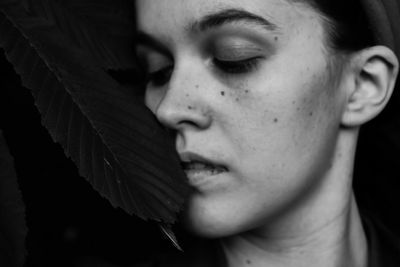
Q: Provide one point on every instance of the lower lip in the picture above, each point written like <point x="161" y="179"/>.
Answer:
<point x="202" y="178"/>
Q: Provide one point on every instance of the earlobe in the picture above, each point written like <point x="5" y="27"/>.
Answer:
<point x="374" y="72"/>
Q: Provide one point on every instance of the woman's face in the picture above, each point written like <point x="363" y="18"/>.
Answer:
<point x="249" y="88"/>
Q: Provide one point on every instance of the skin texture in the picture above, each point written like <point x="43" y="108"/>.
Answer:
<point x="276" y="128"/>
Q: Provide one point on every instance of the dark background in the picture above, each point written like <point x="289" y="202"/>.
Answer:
<point x="69" y="223"/>
<point x="72" y="225"/>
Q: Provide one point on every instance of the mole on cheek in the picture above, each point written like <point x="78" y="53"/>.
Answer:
<point x="276" y="120"/>
<point x="190" y="107"/>
<point x="222" y="93"/>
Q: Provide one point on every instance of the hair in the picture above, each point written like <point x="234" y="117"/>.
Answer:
<point x="346" y="24"/>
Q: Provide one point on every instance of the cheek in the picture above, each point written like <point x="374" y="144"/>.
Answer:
<point x="286" y="133"/>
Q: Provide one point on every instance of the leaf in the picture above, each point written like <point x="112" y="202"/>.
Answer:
<point x="116" y="142"/>
<point x="110" y="22"/>
<point x="13" y="229"/>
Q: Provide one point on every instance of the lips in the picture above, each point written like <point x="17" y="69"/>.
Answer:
<point x="200" y="169"/>
<point x="197" y="166"/>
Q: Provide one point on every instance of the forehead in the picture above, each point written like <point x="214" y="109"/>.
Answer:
<point x="173" y="17"/>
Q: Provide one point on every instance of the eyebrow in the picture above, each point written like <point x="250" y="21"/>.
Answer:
<point x="208" y="22"/>
<point x="231" y="15"/>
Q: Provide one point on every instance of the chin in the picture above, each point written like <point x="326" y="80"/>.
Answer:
<point x="212" y="222"/>
<point x="210" y="230"/>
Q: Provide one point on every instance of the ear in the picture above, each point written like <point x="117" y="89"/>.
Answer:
<point x="373" y="73"/>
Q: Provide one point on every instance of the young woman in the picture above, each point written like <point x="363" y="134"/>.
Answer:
<point x="265" y="99"/>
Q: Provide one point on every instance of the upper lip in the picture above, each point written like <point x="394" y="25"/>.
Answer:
<point x="187" y="157"/>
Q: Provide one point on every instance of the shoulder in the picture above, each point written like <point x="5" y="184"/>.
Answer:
<point x="383" y="244"/>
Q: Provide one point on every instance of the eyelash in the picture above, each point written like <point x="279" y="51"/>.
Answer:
<point x="162" y="76"/>
<point x="238" y="66"/>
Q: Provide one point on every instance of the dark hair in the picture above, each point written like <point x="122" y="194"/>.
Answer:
<point x="348" y="30"/>
<point x="346" y="23"/>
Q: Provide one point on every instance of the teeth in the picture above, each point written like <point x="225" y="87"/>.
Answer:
<point x="199" y="166"/>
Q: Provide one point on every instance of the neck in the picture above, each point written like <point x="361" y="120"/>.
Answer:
<point x="340" y="242"/>
<point x="324" y="230"/>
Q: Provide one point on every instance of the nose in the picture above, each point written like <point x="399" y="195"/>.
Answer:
<point x="182" y="103"/>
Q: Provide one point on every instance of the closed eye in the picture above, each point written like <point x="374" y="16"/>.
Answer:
<point x="160" y="77"/>
<point x="237" y="66"/>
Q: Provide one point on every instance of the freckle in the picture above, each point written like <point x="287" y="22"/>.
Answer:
<point x="197" y="86"/>
<point x="248" y="262"/>
<point x="293" y="102"/>
<point x="187" y="95"/>
<point x="311" y="114"/>
<point x="246" y="91"/>
<point x="190" y="107"/>
<point x="276" y="120"/>
<point x="222" y="93"/>
<point x="276" y="38"/>
<point x="237" y="99"/>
